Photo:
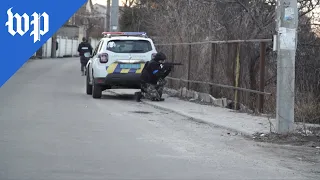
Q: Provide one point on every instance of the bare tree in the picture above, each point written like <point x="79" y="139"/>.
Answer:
<point x="201" y="20"/>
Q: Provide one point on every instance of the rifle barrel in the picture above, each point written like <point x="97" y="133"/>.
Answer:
<point x="172" y="64"/>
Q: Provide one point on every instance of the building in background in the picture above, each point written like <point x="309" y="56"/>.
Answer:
<point x="100" y="9"/>
<point x="90" y="19"/>
<point x="84" y="12"/>
<point x="71" y="31"/>
<point x="81" y="22"/>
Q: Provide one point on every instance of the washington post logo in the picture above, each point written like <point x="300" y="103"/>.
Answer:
<point x="37" y="20"/>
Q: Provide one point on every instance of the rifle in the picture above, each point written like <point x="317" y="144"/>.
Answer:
<point x="166" y="68"/>
<point x="170" y="65"/>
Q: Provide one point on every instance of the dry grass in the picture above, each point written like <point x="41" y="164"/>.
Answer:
<point x="176" y="21"/>
<point x="307" y="108"/>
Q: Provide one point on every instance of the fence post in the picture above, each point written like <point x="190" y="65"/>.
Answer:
<point x="60" y="46"/>
<point x="189" y="65"/>
<point x="71" y="47"/>
<point x="53" y="46"/>
<point x="66" y="44"/>
<point x="236" y="97"/>
<point x="212" y="61"/>
<point x="172" y="60"/>
<point x="262" y="75"/>
<point x="172" y="54"/>
<point x="76" y="46"/>
<point x="45" y="49"/>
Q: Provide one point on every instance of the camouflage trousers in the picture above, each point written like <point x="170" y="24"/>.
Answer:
<point x="154" y="92"/>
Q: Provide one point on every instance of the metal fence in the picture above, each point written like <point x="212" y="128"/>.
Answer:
<point x="231" y="69"/>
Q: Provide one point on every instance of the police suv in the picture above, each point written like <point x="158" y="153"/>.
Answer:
<point x="117" y="61"/>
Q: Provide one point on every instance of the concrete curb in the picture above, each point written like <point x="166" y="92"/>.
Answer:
<point x="204" y="97"/>
<point x="246" y="134"/>
<point x="198" y="120"/>
<point x="194" y="119"/>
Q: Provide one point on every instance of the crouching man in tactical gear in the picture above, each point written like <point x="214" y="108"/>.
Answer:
<point x="153" y="78"/>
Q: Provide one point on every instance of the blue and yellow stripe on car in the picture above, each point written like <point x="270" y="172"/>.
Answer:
<point x="114" y="68"/>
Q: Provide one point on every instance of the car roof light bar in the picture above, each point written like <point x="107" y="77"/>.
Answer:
<point x="109" y="34"/>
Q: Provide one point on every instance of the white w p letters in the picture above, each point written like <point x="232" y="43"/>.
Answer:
<point x="19" y="18"/>
<point x="37" y="32"/>
<point x="37" y="23"/>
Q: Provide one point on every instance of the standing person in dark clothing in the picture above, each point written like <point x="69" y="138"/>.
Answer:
<point x="153" y="77"/>
<point x="85" y="51"/>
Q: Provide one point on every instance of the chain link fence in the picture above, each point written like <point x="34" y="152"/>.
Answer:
<point x="235" y="70"/>
<point x="245" y="72"/>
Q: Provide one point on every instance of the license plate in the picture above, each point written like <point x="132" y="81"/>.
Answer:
<point x="129" y="66"/>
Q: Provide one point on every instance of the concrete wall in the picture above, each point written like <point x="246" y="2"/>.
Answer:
<point x="67" y="47"/>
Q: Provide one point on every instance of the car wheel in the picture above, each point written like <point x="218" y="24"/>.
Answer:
<point x="96" y="91"/>
<point x="88" y="86"/>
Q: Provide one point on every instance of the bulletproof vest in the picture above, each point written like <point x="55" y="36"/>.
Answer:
<point x="85" y="47"/>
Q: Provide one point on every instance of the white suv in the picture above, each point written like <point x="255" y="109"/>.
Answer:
<point x="117" y="61"/>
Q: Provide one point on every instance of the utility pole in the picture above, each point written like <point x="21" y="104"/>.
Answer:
<point x="107" y="25"/>
<point x="53" y="46"/>
<point x="286" y="45"/>
<point x="114" y="15"/>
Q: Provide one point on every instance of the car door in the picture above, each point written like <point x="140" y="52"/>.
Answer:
<point x="94" y="55"/>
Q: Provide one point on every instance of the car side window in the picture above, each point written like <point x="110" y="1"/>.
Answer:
<point x="101" y="44"/>
<point x="96" y="49"/>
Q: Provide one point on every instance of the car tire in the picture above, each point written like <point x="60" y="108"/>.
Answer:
<point x="96" y="91"/>
<point x="88" y="86"/>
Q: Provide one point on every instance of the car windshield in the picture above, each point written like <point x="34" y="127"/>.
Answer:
<point x="129" y="46"/>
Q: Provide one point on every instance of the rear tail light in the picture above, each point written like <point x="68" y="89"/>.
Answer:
<point x="153" y="54"/>
<point x="104" y="57"/>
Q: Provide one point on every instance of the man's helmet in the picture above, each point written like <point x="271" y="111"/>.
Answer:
<point x="84" y="39"/>
<point x="160" y="57"/>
